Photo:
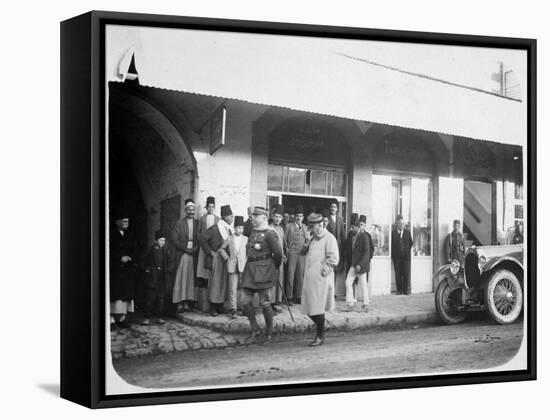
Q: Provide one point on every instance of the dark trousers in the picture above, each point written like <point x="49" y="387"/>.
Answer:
<point x="402" y="268"/>
<point x="154" y="302"/>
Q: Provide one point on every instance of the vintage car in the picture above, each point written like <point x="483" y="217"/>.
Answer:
<point x="490" y="279"/>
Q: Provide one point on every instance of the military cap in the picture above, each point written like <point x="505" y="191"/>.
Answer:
<point x="260" y="211"/>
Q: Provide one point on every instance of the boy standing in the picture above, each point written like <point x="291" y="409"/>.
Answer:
<point x="158" y="267"/>
<point x="236" y="263"/>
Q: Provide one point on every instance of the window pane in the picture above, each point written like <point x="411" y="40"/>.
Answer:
<point x="518" y="211"/>
<point x="338" y="184"/>
<point x="319" y="182"/>
<point x="518" y="192"/>
<point x="296" y="180"/>
<point x="275" y="178"/>
<point x="380" y="228"/>
<point x="421" y="216"/>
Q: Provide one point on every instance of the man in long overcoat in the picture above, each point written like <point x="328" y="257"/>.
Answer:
<point x="123" y="262"/>
<point x="185" y="239"/>
<point x="321" y="259"/>
<point x="401" y="244"/>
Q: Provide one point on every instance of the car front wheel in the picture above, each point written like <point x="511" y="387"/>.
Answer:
<point x="449" y="303"/>
<point x="504" y="296"/>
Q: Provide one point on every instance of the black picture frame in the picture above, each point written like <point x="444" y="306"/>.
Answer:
<point x="83" y="208"/>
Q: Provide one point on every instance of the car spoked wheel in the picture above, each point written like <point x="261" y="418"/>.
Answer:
<point x="504" y="297"/>
<point x="448" y="303"/>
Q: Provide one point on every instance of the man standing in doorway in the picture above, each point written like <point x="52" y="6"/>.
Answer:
<point x="297" y="239"/>
<point x="185" y="239"/>
<point x="336" y="227"/>
<point x="249" y="224"/>
<point x="264" y="255"/>
<point x="401" y="256"/>
<point x="454" y="245"/>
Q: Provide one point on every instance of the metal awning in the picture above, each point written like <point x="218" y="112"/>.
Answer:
<point x="283" y="72"/>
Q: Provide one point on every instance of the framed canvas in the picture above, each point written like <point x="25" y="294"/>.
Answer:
<point x="258" y="209"/>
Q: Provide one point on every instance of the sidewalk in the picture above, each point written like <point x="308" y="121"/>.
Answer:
<point x="384" y="311"/>
<point x="198" y="331"/>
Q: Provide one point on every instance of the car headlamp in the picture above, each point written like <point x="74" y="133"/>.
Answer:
<point x="455" y="267"/>
<point x="482" y="259"/>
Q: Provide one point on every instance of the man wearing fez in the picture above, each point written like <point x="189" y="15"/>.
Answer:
<point x="336" y="227"/>
<point x="214" y="243"/>
<point x="326" y="214"/>
<point x="264" y="255"/>
<point x="454" y="244"/>
<point x="276" y="225"/>
<point x="360" y="262"/>
<point x="123" y="251"/>
<point x="401" y="244"/>
<point x="206" y="221"/>
<point x="158" y="265"/>
<point x="321" y="259"/>
<point x="185" y="239"/>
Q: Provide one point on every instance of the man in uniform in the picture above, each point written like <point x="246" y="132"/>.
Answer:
<point x="264" y="254"/>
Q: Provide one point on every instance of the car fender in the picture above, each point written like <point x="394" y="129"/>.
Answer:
<point x="493" y="262"/>
<point x="444" y="273"/>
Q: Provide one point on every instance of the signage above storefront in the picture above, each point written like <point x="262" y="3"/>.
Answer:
<point x="217" y="129"/>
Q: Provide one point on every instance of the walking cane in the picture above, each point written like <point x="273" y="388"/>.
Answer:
<point x="285" y="299"/>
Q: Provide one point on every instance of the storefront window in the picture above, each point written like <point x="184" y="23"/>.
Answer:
<point x="318" y="182"/>
<point x="297" y="180"/>
<point x="338" y="186"/>
<point x="274" y="177"/>
<point x="380" y="228"/>
<point x="421" y="216"/>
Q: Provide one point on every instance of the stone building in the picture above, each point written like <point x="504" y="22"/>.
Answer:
<point x="237" y="119"/>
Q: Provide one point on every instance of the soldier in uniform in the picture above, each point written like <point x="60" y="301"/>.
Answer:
<point x="264" y="255"/>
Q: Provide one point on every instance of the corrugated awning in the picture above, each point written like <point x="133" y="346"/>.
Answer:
<point x="283" y="72"/>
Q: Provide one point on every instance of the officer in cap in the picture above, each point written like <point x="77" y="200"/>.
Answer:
<point x="264" y="255"/>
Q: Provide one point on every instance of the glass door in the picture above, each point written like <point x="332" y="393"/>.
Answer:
<point x="421" y="231"/>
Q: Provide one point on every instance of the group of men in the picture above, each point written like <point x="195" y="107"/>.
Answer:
<point x="273" y="254"/>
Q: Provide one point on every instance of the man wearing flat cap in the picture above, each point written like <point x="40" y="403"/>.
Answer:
<point x="264" y="254"/>
<point x="214" y="243"/>
<point x="205" y="222"/>
<point x="454" y="244"/>
<point x="276" y="225"/>
<point x="297" y="239"/>
<point x="185" y="239"/>
<point x="123" y="251"/>
<point x="321" y="259"/>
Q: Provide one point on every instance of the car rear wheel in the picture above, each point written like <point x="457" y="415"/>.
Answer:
<point x="504" y="296"/>
<point x="448" y="303"/>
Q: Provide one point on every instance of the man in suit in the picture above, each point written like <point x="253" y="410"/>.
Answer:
<point x="360" y="264"/>
<point x="297" y="240"/>
<point x="185" y="239"/>
<point x="401" y="245"/>
<point x="276" y="225"/>
<point x="454" y="244"/>
<point x="336" y="227"/>
<point x="236" y="263"/>
<point x="249" y="224"/>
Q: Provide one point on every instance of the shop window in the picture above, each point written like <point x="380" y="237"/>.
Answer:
<point x="296" y="180"/>
<point x="518" y="211"/>
<point x="421" y="216"/>
<point x="518" y="192"/>
<point x="380" y="228"/>
<point x="275" y="177"/>
<point x="338" y="184"/>
<point x="319" y="182"/>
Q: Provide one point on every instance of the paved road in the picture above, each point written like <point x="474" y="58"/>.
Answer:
<point x="433" y="349"/>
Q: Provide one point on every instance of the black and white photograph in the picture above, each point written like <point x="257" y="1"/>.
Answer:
<point x="287" y="209"/>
